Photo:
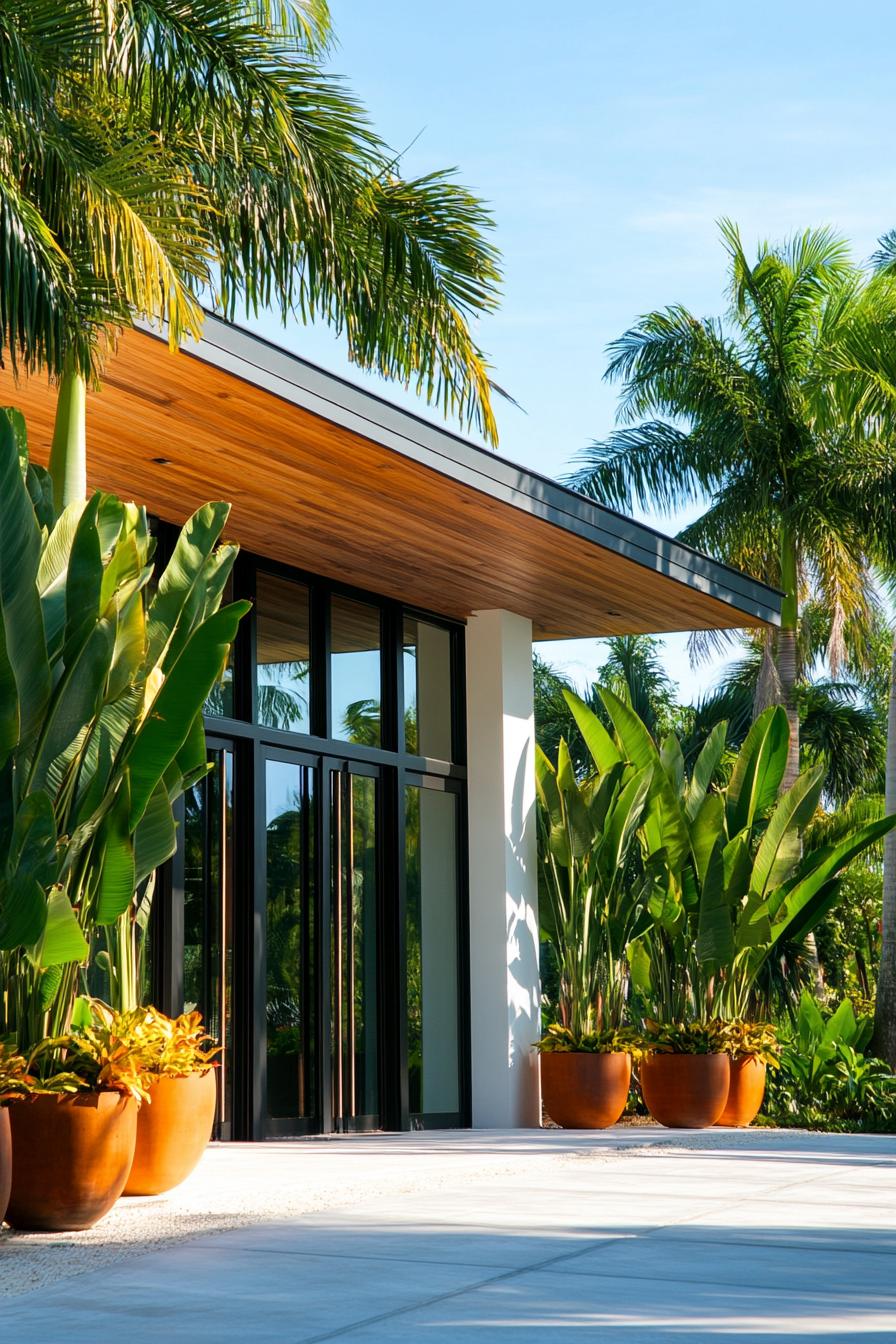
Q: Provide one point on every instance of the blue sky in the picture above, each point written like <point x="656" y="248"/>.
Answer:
<point x="608" y="139"/>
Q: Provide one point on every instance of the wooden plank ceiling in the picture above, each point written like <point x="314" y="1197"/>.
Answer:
<point x="313" y="494"/>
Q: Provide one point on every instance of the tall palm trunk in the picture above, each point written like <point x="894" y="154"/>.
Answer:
<point x="787" y="671"/>
<point x="68" y="452"/>
<point x="885" y="1008"/>
<point x="787" y="659"/>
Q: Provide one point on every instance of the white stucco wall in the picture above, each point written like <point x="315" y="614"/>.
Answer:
<point x="505" y="993"/>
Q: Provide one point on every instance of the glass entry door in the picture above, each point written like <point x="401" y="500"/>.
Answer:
<point x="354" y="937"/>
<point x="208" y="881"/>
<point x="291" y="1103"/>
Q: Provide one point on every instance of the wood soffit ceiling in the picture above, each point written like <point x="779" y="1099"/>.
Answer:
<point x="320" y="495"/>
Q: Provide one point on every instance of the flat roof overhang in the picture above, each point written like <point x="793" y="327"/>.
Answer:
<point x="333" y="479"/>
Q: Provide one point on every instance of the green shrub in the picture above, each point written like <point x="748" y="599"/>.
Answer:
<point x="826" y="1081"/>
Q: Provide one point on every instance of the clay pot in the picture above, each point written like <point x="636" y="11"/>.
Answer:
<point x="173" y="1129"/>
<point x="746" y="1092"/>
<point x="5" y="1160"/>
<point x="582" y="1090"/>
<point x="70" y="1159"/>
<point x="685" y="1091"/>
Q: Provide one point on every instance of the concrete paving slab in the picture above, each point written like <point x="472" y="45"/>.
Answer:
<point x="475" y="1236"/>
<point x="546" y="1306"/>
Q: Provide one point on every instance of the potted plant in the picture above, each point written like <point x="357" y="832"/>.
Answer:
<point x="74" y="1127"/>
<point x="752" y="1048"/>
<point x="100" y="727"/>
<point x="728" y="885"/>
<point x="587" y="830"/>
<point x="586" y="1078"/>
<point x="176" y="1124"/>
<point x="685" y="1072"/>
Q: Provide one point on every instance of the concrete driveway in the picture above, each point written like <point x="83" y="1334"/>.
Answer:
<point x="627" y="1236"/>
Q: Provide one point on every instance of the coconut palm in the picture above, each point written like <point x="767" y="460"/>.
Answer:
<point x="156" y="155"/>
<point x="755" y="419"/>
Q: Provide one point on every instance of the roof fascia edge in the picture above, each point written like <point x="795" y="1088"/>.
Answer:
<point x="239" y="352"/>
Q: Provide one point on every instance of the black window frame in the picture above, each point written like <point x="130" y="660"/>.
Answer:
<point x="251" y="742"/>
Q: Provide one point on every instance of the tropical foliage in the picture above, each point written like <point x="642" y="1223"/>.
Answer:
<point x="588" y="831"/>
<point x="107" y="1054"/>
<point x="763" y="421"/>
<point x="168" y="1047"/>
<point x="104" y="669"/>
<point x="707" y="1036"/>
<point x="152" y="157"/>
<point x="726" y="882"/>
<point x="826" y="1080"/>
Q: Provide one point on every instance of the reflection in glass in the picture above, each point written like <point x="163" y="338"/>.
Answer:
<point x="432" y="984"/>
<point x="283" y="654"/>
<point x="354" y="950"/>
<point x="355" y="671"/>
<point x="220" y="700"/>
<point x="427" y="689"/>
<point x="290" y="864"/>
<point x="208" y="909"/>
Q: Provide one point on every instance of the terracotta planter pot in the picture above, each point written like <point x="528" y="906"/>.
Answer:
<point x="5" y="1160"/>
<point x="745" y="1093"/>
<point x="70" y="1159"/>
<point x="582" y="1090"/>
<point x="172" y="1132"/>
<point x="685" y="1091"/>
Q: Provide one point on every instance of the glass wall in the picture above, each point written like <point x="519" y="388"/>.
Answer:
<point x="427" y="689"/>
<point x="433" y="999"/>
<point x="355" y="671"/>
<point x="283" y="654"/>
<point x="314" y="912"/>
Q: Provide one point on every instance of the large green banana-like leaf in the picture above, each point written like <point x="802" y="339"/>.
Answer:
<point x="31" y="865"/>
<point x="623" y="820"/>
<point x="52" y="576"/>
<point x="806" y="918"/>
<point x="789" y="899"/>
<point x="61" y="940"/>
<point x="758" y="770"/>
<point x="672" y="760"/>
<point x="546" y="785"/>
<point x="637" y="744"/>
<point x="23" y="911"/>
<point x="715" y="934"/>
<point x="171" y="717"/>
<point x="738" y="859"/>
<point x="707" y="831"/>
<point x="600" y="744"/>
<point x="155" y="839"/>
<point x="180" y="600"/>
<point x="75" y="700"/>
<point x="24" y="646"/>
<point x="83" y="584"/>
<point x="665" y="825"/>
<point x="579" y="827"/>
<point x="705" y="768"/>
<point x="753" y="926"/>
<point x="118" y="879"/>
<point x="779" y="848"/>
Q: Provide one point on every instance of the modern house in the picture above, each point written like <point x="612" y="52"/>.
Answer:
<point x="354" y="904"/>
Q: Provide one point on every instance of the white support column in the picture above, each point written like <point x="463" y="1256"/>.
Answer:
<point x="504" y="980"/>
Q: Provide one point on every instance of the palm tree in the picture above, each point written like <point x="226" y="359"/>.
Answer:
<point x="152" y="156"/>
<point x="754" y="418"/>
